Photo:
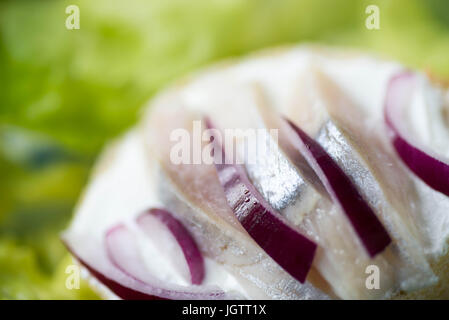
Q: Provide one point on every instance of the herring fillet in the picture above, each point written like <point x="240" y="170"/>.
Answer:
<point x="341" y="260"/>
<point x="362" y="153"/>
<point x="194" y="194"/>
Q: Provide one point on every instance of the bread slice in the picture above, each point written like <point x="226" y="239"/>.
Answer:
<point x="278" y="73"/>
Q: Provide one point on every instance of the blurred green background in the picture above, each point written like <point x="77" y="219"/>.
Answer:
<point x="64" y="93"/>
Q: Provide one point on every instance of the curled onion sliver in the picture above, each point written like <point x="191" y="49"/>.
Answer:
<point x="123" y="252"/>
<point x="116" y="287"/>
<point x="429" y="167"/>
<point x="189" y="248"/>
<point x="342" y="190"/>
<point x="287" y="246"/>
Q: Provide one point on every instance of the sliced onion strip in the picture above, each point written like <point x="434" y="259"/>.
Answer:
<point x="189" y="248"/>
<point x="343" y="192"/>
<point x="123" y="252"/>
<point x="428" y="166"/>
<point x="114" y="286"/>
<point x="287" y="246"/>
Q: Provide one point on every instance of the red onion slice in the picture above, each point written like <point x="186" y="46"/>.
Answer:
<point x="115" y="286"/>
<point x="287" y="246"/>
<point x="342" y="190"/>
<point x="123" y="252"/>
<point x="429" y="167"/>
<point x="189" y="248"/>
